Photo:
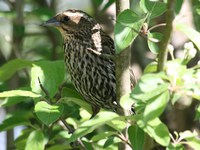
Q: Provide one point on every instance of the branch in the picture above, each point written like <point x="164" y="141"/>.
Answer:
<point x="162" y="57"/>
<point x="122" y="63"/>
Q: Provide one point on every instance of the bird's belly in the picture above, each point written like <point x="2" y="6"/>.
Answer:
<point x="93" y="81"/>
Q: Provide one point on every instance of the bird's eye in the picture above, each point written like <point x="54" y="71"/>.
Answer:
<point x="66" y="18"/>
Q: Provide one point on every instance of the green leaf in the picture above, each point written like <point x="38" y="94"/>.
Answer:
<point x="91" y="125"/>
<point x="126" y="29"/>
<point x="98" y="2"/>
<point x="197" y="115"/>
<point x="108" y="4"/>
<point x="153" y="45"/>
<point x="151" y="68"/>
<point x="175" y="146"/>
<point x="194" y="143"/>
<point x="156" y="129"/>
<point x="11" y="67"/>
<point x="147" y="83"/>
<point x="79" y="102"/>
<point x="88" y="145"/>
<point x="68" y="92"/>
<point x="178" y="6"/>
<point x="126" y="101"/>
<point x="175" y="97"/>
<point x="48" y="113"/>
<point x="118" y="124"/>
<point x="191" y="138"/>
<point x="15" y="100"/>
<point x="43" y="13"/>
<point x="20" y="141"/>
<point x="147" y="96"/>
<point x="136" y="137"/>
<point x="102" y="135"/>
<point x="16" y="119"/>
<point x="155" y="107"/>
<point x="187" y="134"/>
<point x="51" y="74"/>
<point x="23" y="93"/>
<point x="59" y="147"/>
<point x="36" y="140"/>
<point x="192" y="34"/>
<point x="12" y="101"/>
<point x="111" y="141"/>
<point x="72" y="96"/>
<point x="154" y="9"/>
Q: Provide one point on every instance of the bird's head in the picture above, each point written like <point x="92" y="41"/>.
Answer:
<point x="71" y="21"/>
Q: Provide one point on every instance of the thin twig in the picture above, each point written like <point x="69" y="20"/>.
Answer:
<point x="58" y="95"/>
<point x="156" y="26"/>
<point x="69" y="128"/>
<point x="43" y="89"/>
<point x="121" y="136"/>
<point x="71" y="131"/>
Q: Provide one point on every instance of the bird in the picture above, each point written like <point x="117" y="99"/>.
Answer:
<point x="89" y="56"/>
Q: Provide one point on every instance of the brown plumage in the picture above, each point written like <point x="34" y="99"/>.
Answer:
<point x="89" y="54"/>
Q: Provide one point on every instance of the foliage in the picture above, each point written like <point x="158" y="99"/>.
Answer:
<point x="46" y="108"/>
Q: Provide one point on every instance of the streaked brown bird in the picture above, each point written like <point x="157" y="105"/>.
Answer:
<point x="88" y="55"/>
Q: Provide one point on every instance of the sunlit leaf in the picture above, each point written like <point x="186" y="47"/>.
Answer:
<point x="191" y="33"/>
<point x="118" y="124"/>
<point x="48" y="113"/>
<point x="23" y="93"/>
<point x="191" y="138"/>
<point x="51" y="75"/>
<point x="151" y="68"/>
<point x="147" y="83"/>
<point x="126" y="29"/>
<point x="194" y="142"/>
<point x="151" y="94"/>
<point x="36" y="140"/>
<point x="175" y="146"/>
<point x="154" y="8"/>
<point x="91" y="125"/>
<point x="9" y="101"/>
<point x="102" y="135"/>
<point x="155" y="106"/>
<point x="20" y="141"/>
<point x="188" y="134"/>
<point x="156" y="129"/>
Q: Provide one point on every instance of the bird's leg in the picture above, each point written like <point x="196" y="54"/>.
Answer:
<point x="95" y="110"/>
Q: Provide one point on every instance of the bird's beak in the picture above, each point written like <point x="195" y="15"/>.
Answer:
<point x="52" y="22"/>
